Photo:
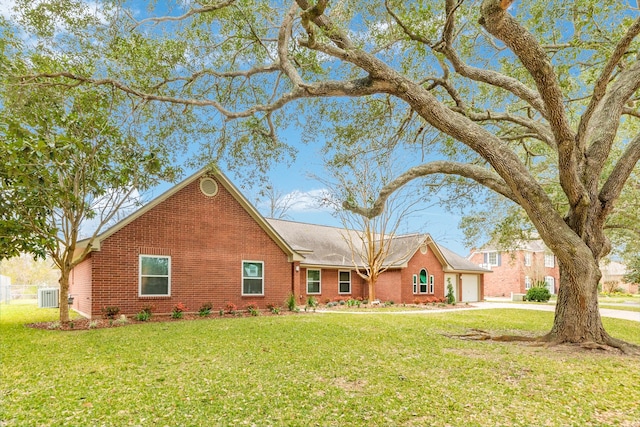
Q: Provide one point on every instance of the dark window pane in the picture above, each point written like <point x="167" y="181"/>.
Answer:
<point x="155" y="286"/>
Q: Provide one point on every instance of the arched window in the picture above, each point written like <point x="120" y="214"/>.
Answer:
<point x="423" y="281"/>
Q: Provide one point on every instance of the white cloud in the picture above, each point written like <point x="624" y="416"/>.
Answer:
<point x="307" y="201"/>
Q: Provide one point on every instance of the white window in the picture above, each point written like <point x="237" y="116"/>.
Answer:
<point x="252" y="278"/>
<point x="492" y="259"/>
<point x="431" y="284"/>
<point x="155" y="275"/>
<point x="313" y="281"/>
<point x="344" y="282"/>
<point x="527" y="282"/>
<point x="550" y="281"/>
<point x="415" y="283"/>
<point x="527" y="259"/>
<point x="549" y="260"/>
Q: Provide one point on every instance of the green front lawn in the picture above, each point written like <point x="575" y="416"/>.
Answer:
<point x="310" y="369"/>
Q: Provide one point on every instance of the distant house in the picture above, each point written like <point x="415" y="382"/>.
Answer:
<point x="517" y="270"/>
<point x="613" y="273"/>
<point x="202" y="241"/>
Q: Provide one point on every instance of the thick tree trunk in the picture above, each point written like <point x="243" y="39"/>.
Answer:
<point x="577" y="317"/>
<point x="64" y="294"/>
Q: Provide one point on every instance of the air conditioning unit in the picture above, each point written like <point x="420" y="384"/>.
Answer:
<point x="48" y="298"/>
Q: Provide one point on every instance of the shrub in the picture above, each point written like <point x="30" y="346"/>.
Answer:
<point x="54" y="325"/>
<point x="143" y="315"/>
<point x="231" y="308"/>
<point x="291" y="302"/>
<point x="538" y="293"/>
<point x="450" y="296"/>
<point x="178" y="310"/>
<point x="275" y="310"/>
<point x="110" y="312"/>
<point x="93" y="324"/>
<point x="122" y="320"/>
<point x="312" y="302"/>
<point x="205" y="309"/>
<point x="252" y="309"/>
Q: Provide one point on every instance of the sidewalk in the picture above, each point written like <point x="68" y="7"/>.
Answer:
<point x="487" y="305"/>
<point x="605" y="312"/>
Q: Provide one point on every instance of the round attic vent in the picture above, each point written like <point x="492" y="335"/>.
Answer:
<point x="423" y="248"/>
<point x="208" y="187"/>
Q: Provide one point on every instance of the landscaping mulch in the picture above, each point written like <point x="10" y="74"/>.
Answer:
<point x="84" y="323"/>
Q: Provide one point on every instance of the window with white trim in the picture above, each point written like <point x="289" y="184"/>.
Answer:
<point x="527" y="282"/>
<point x="344" y="282"/>
<point x="549" y="260"/>
<point x="550" y="281"/>
<point x="415" y="283"/>
<point x="527" y="259"/>
<point x="155" y="275"/>
<point x="313" y="282"/>
<point x="431" y="281"/>
<point x="252" y="278"/>
<point x="492" y="259"/>
<point x="423" y="281"/>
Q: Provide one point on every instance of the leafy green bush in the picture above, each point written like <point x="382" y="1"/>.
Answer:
<point x="538" y="293"/>
<point x="291" y="302"/>
<point x="450" y="296"/>
<point x="205" y="309"/>
<point x="143" y="315"/>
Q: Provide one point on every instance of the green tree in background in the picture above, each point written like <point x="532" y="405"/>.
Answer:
<point x="69" y="161"/>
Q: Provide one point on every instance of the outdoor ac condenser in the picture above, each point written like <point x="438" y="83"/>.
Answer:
<point x="48" y="298"/>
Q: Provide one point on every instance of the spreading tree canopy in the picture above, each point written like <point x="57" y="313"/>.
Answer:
<point x="70" y="162"/>
<point x="535" y="102"/>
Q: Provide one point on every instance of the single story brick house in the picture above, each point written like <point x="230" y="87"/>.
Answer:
<point x="203" y="241"/>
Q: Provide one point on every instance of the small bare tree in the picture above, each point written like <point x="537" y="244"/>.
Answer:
<point x="374" y="243"/>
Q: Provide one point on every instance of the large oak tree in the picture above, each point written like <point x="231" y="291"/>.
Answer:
<point x="535" y="102"/>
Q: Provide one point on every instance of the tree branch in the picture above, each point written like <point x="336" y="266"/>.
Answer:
<point x="502" y="26"/>
<point x="477" y="173"/>
<point x="190" y="12"/>
<point x="606" y="121"/>
<point x="483" y="75"/>
<point x="600" y="86"/>
<point x="352" y="88"/>
<point x="618" y="177"/>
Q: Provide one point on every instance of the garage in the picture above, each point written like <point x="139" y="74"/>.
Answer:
<point x="470" y="287"/>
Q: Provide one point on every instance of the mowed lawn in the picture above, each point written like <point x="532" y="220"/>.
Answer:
<point x="311" y="369"/>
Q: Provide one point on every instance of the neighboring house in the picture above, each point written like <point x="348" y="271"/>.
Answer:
<point x="202" y="241"/>
<point x="517" y="270"/>
<point x="612" y="279"/>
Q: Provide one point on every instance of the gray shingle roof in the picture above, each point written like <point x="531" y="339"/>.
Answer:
<point x="326" y="246"/>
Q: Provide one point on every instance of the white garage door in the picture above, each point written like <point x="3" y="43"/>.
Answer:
<point x="470" y="287"/>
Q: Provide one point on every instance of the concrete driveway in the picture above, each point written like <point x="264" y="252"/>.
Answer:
<point x="605" y="312"/>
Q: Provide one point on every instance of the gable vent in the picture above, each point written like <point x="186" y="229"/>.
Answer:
<point x="208" y="187"/>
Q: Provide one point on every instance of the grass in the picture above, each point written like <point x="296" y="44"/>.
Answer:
<point x="314" y="369"/>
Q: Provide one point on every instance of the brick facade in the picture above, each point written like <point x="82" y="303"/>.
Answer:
<point x="512" y="272"/>
<point x="207" y="239"/>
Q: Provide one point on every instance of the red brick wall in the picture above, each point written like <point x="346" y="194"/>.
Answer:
<point x="329" y="286"/>
<point x="80" y="287"/>
<point x="207" y="239"/>
<point x="388" y="287"/>
<point x="419" y="261"/>
<point x="510" y="275"/>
